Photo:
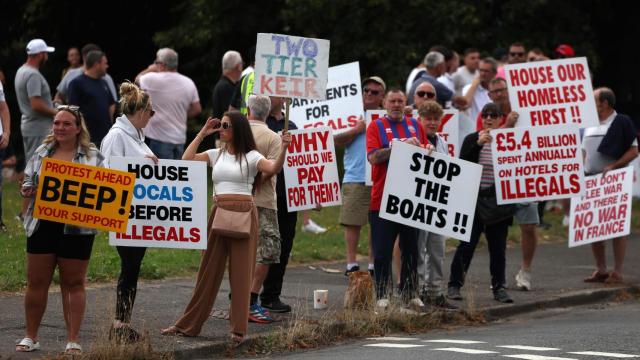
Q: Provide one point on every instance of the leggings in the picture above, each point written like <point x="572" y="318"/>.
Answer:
<point x="130" y="261"/>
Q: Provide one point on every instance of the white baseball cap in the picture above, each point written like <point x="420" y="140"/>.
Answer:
<point x="37" y="46"/>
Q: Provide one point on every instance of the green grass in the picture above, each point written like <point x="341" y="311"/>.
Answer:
<point x="162" y="263"/>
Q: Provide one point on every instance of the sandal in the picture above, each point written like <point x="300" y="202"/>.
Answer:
<point x="172" y="331"/>
<point x="73" y="348"/>
<point x="237" y="340"/>
<point x="597" y="277"/>
<point x="27" y="345"/>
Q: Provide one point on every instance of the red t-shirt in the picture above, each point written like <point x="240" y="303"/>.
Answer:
<point x="392" y="130"/>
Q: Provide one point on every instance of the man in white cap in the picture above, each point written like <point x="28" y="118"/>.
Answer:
<point x="34" y="98"/>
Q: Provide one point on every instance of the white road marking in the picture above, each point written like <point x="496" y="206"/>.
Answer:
<point x="390" y="345"/>
<point x="613" y="355"/>
<point x="537" y="357"/>
<point x="465" y="342"/>
<point x="392" y="338"/>
<point x="528" y="348"/>
<point x="467" y="351"/>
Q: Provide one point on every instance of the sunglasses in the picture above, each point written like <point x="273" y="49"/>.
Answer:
<point x="371" y="91"/>
<point x="516" y="54"/>
<point x="73" y="109"/>
<point x="495" y="91"/>
<point x="225" y="125"/>
<point x="490" y="115"/>
<point x="427" y="94"/>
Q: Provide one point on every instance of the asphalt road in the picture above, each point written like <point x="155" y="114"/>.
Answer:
<point x="609" y="331"/>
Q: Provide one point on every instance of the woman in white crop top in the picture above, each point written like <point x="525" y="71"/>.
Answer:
<point x="235" y="166"/>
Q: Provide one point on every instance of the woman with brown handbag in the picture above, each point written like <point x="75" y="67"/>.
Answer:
<point x="235" y="166"/>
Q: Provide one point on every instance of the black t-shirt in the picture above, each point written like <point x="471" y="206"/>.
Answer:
<point x="281" y="190"/>
<point x="93" y="98"/>
<point x="222" y="93"/>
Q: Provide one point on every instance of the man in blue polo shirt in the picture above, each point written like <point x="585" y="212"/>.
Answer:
<point x="91" y="93"/>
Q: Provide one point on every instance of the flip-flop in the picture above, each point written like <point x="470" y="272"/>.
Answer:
<point x="28" y="345"/>
<point x="73" y="348"/>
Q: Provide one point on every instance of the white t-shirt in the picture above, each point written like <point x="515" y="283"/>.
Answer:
<point x="479" y="100"/>
<point x="463" y="77"/>
<point x="171" y="94"/>
<point x="595" y="161"/>
<point x="230" y="176"/>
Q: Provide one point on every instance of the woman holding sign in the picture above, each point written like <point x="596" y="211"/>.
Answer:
<point x="493" y="223"/>
<point x="235" y="166"/>
<point x="50" y="243"/>
<point x="125" y="138"/>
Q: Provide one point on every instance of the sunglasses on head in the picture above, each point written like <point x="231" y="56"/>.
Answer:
<point x="427" y="94"/>
<point x="73" y="109"/>
<point x="492" y="115"/>
<point x="371" y="91"/>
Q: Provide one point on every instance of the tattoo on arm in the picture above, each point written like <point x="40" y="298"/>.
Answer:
<point x="380" y="156"/>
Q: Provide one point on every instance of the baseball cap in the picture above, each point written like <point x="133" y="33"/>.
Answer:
<point x="375" y="79"/>
<point x="37" y="46"/>
<point x="565" y="50"/>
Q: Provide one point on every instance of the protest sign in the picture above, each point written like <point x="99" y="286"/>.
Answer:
<point x="291" y="66"/>
<point x="536" y="164"/>
<point x="83" y="195"/>
<point x="311" y="171"/>
<point x="448" y="130"/>
<point x="436" y="192"/>
<point x="554" y="92"/>
<point x="604" y="211"/>
<point x="343" y="107"/>
<point x="169" y="207"/>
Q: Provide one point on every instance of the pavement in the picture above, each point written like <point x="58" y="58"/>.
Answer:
<point x="557" y="282"/>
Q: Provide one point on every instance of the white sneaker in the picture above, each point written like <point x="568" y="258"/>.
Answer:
<point x="382" y="304"/>
<point x="416" y="304"/>
<point x="313" y="228"/>
<point x="565" y="221"/>
<point x="523" y="280"/>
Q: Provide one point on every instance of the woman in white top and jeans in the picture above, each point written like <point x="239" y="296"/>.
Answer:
<point x="235" y="166"/>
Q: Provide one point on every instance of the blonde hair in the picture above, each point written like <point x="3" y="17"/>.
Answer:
<point x="430" y="109"/>
<point x="83" y="139"/>
<point x="132" y="98"/>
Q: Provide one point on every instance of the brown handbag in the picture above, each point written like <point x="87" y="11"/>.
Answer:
<point x="235" y="223"/>
<point x="231" y="223"/>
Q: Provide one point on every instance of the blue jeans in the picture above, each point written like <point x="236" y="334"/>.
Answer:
<point x="165" y="150"/>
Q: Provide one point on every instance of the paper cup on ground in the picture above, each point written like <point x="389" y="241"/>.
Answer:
<point x="320" y="299"/>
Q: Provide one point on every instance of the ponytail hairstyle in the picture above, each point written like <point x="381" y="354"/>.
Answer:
<point x="132" y="98"/>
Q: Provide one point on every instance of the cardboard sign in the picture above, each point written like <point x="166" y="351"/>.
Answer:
<point x="311" y="170"/>
<point x="448" y="130"/>
<point x="436" y="192"/>
<point x="536" y="164"/>
<point x="291" y="66"/>
<point x="83" y="195"/>
<point x="604" y="211"/>
<point x="169" y="207"/>
<point x="343" y="107"/>
<point x="554" y="92"/>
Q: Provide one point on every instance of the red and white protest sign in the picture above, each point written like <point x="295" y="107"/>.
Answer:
<point x="604" y="211"/>
<point x="311" y="170"/>
<point x="448" y="130"/>
<point x="554" y="92"/>
<point x="291" y="66"/>
<point x="536" y="164"/>
<point x="169" y="206"/>
<point x="436" y="192"/>
<point x="343" y="107"/>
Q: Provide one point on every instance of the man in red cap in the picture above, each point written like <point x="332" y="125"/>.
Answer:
<point x="564" y="51"/>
